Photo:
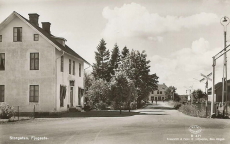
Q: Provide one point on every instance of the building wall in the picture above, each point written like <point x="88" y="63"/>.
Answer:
<point x="155" y="96"/>
<point x="17" y="75"/>
<point x="63" y="78"/>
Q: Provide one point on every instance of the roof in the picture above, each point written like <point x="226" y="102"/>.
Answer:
<point x="52" y="39"/>
<point x="161" y="86"/>
<point x="218" y="85"/>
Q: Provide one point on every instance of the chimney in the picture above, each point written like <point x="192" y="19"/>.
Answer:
<point x="46" y="26"/>
<point x="34" y="18"/>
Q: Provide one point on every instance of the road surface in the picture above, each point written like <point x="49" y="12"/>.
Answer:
<point x="155" y="124"/>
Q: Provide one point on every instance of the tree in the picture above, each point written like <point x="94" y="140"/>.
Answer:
<point x="125" y="52"/>
<point x="115" y="59"/>
<point x="98" y="92"/>
<point x="122" y="89"/>
<point x="88" y="79"/>
<point x="198" y="95"/>
<point x="100" y="68"/>
<point x="169" y="92"/>
<point x="143" y="80"/>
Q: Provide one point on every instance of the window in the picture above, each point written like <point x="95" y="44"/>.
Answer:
<point x="0" y="38"/>
<point x="69" y="66"/>
<point x="80" y="94"/>
<point x="62" y="63"/>
<point x="34" y="61"/>
<point x="2" y="93"/>
<point x="158" y="92"/>
<point x="152" y="91"/>
<point x="34" y="93"/>
<point x="2" y="61"/>
<point x="36" y="37"/>
<point x="62" y="95"/>
<point x="17" y="34"/>
<point x="79" y="70"/>
<point x="73" y="67"/>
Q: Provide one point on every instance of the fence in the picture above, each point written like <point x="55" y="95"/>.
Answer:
<point x="19" y="112"/>
<point x="202" y="106"/>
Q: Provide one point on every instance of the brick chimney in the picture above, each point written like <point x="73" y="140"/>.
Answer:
<point x="34" y="18"/>
<point x="46" y="26"/>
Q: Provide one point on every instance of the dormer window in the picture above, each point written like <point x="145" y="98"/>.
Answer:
<point x="36" y="37"/>
<point x="17" y="34"/>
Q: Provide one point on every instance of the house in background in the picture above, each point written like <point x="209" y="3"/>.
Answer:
<point x="38" y="68"/>
<point x="158" y="94"/>
<point x="184" y="98"/>
<point x="218" y="92"/>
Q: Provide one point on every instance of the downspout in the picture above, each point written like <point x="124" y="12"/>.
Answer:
<point x="56" y="80"/>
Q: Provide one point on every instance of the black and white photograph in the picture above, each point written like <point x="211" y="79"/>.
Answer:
<point x="114" y="71"/>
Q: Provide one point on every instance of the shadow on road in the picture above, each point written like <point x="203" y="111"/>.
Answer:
<point x="160" y="107"/>
<point x="148" y="110"/>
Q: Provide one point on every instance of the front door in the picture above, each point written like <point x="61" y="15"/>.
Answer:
<point x="71" y="96"/>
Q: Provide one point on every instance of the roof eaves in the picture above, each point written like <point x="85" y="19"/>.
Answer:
<point x="50" y="38"/>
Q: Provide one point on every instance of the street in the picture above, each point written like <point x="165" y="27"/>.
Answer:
<point x="155" y="124"/>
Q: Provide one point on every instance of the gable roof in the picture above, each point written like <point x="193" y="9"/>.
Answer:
<point x="162" y="86"/>
<point x="50" y="37"/>
<point x="218" y="86"/>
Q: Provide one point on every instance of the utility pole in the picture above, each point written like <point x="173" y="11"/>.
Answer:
<point x="213" y="84"/>
<point x="224" y="21"/>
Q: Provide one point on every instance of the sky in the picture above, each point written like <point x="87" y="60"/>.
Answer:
<point x="180" y="37"/>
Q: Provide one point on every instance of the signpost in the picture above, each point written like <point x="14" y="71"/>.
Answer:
<point x="206" y="77"/>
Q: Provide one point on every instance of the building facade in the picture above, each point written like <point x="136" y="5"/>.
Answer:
<point x="37" y="68"/>
<point x="158" y="94"/>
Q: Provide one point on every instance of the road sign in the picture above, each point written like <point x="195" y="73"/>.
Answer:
<point x="207" y="77"/>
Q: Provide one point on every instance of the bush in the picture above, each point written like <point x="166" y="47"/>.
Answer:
<point x="133" y="105"/>
<point x="6" y="111"/>
<point x="193" y="110"/>
<point x="142" y="104"/>
<point x="86" y="108"/>
<point x="177" y="105"/>
<point x="101" y="106"/>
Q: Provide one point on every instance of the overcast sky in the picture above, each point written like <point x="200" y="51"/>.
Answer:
<point x="179" y="36"/>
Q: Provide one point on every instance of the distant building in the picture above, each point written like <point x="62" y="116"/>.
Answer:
<point x="218" y="91"/>
<point x="37" y="68"/>
<point x="183" y="98"/>
<point x="158" y="94"/>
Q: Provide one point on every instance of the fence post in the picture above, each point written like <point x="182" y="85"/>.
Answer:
<point x="34" y="111"/>
<point x="18" y="112"/>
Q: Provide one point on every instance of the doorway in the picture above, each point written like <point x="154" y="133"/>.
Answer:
<point x="71" y="96"/>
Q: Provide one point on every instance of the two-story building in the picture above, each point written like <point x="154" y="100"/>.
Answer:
<point x="37" y="68"/>
<point x="158" y="94"/>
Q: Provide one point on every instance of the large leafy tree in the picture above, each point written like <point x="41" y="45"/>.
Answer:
<point x="101" y="67"/>
<point x="144" y="81"/>
<point x="88" y="79"/>
<point x="170" y="92"/>
<point x="115" y="59"/>
<point x="198" y="95"/>
<point x="98" y="92"/>
<point x="122" y="88"/>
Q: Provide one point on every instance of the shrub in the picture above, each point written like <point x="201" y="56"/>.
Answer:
<point x="6" y="111"/>
<point x="133" y="105"/>
<point x="177" y="105"/>
<point x="142" y="104"/>
<point x="193" y="110"/>
<point x="86" y="108"/>
<point x="101" y="106"/>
